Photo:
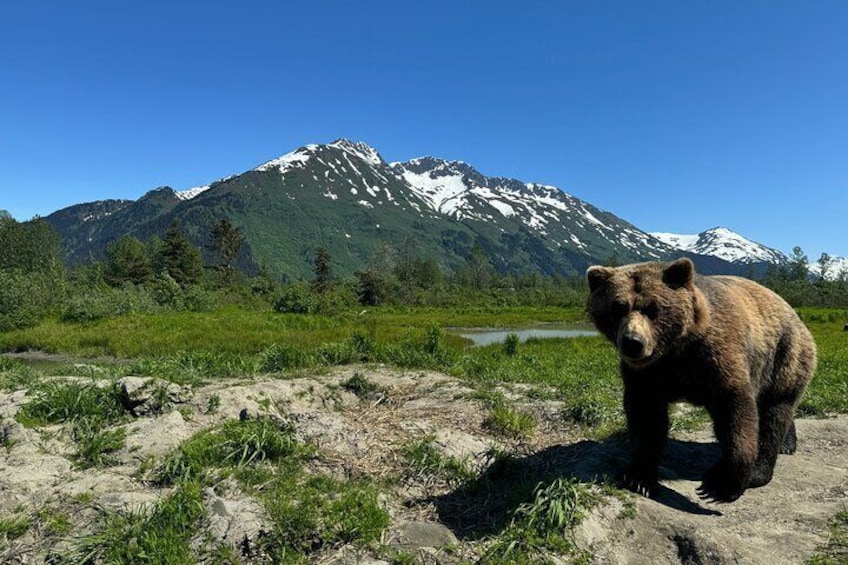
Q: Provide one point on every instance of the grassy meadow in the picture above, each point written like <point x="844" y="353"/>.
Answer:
<point x="199" y="347"/>
<point x="234" y="342"/>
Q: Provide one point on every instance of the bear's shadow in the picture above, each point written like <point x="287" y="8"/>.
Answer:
<point x="486" y="505"/>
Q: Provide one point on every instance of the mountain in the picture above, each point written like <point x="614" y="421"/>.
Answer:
<point x="724" y="244"/>
<point x="837" y="268"/>
<point x="345" y="197"/>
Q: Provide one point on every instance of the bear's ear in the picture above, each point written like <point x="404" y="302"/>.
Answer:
<point x="679" y="274"/>
<point x="597" y="276"/>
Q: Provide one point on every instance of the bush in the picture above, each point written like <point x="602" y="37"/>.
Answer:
<point x="296" y="299"/>
<point x="104" y="302"/>
<point x="25" y="298"/>
<point x="510" y="344"/>
<point x="167" y="292"/>
<point x="197" y="299"/>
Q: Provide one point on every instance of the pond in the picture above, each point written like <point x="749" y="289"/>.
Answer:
<point x="487" y="336"/>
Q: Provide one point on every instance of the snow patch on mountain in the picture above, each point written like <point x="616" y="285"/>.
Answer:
<point x="722" y="243"/>
<point x="836" y="269"/>
<point x="297" y="158"/>
<point x="439" y="191"/>
<point x="191" y="192"/>
<point x="360" y="150"/>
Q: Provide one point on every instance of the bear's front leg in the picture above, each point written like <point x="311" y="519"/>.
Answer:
<point x="647" y="426"/>
<point x="736" y="425"/>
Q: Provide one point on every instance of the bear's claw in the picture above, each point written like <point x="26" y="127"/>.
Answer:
<point x="646" y="488"/>
<point x="719" y="485"/>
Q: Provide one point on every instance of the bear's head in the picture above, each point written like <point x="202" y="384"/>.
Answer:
<point x="646" y="309"/>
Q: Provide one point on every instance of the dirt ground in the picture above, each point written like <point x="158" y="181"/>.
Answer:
<point x="783" y="522"/>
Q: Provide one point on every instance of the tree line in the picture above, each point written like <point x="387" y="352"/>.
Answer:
<point x="168" y="273"/>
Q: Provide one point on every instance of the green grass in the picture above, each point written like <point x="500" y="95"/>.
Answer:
<point x="87" y="409"/>
<point x="13" y="527"/>
<point x="424" y="462"/>
<point x="56" y="402"/>
<point x="234" y="444"/>
<point x="240" y="331"/>
<point x="510" y="423"/>
<point x="15" y="374"/>
<point x="314" y="512"/>
<point x="828" y="391"/>
<point x="308" y="512"/>
<point x="162" y="535"/>
<point x="544" y="525"/>
<point x="835" y="552"/>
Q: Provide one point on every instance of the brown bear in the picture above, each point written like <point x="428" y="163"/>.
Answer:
<point x="722" y="342"/>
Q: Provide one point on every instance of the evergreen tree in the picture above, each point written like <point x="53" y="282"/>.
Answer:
<point x="179" y="258"/>
<point x="798" y="265"/>
<point x="127" y="261"/>
<point x="476" y="272"/>
<point x="322" y="270"/>
<point x="226" y="242"/>
<point x="825" y="263"/>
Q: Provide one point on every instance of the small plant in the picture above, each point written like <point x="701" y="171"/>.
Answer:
<point x="213" y="404"/>
<point x="424" y="460"/>
<point x="510" y="344"/>
<point x="95" y="447"/>
<point x="545" y="524"/>
<point x="361" y="387"/>
<point x="88" y="409"/>
<point x="15" y="374"/>
<point x="57" y="402"/>
<point x="13" y="527"/>
<point x="314" y="512"/>
<point x="162" y="535"/>
<point x="508" y="422"/>
<point x="54" y="522"/>
<point x="836" y="549"/>
<point x="235" y="444"/>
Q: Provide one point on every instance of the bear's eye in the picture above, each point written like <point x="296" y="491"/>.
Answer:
<point x="620" y="308"/>
<point x="651" y="311"/>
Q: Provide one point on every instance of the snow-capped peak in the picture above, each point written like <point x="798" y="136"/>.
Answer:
<point x="836" y="268"/>
<point x="359" y="149"/>
<point x="723" y="243"/>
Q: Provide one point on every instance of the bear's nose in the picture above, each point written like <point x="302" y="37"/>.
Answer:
<point x="632" y="345"/>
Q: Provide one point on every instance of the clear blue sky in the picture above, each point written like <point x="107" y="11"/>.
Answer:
<point x="676" y="116"/>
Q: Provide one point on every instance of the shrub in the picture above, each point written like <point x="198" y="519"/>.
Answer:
<point x="295" y="299"/>
<point x="510" y="344"/>
<point x="103" y="302"/>
<point x="167" y="292"/>
<point x="25" y="298"/>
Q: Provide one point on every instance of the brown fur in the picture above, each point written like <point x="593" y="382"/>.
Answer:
<point x="725" y="343"/>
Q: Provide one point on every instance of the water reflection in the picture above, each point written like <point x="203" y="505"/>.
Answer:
<point x="482" y="337"/>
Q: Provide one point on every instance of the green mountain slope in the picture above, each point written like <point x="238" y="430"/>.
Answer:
<point x="345" y="197"/>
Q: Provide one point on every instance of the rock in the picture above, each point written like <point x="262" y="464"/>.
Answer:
<point x="414" y="535"/>
<point x="32" y="472"/>
<point x="131" y="501"/>
<point x="236" y="522"/>
<point x="143" y="396"/>
<point x="155" y="436"/>
<point x="461" y="446"/>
